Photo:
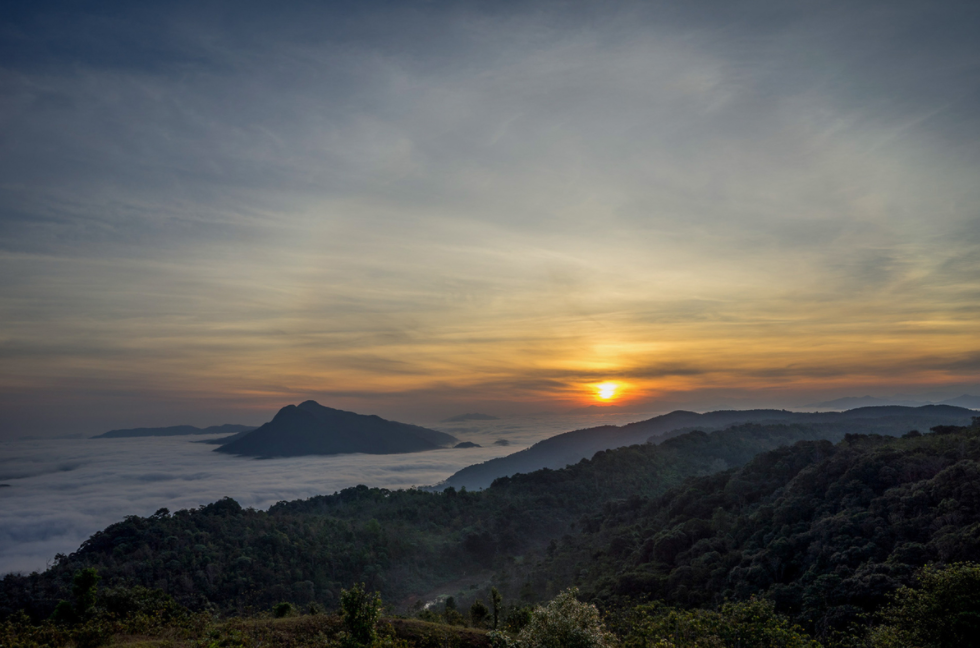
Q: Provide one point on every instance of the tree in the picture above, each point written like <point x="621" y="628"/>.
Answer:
<point x="495" y="600"/>
<point x="565" y="623"/>
<point x="452" y="614"/>
<point x="84" y="587"/>
<point x="747" y="624"/>
<point x="360" y="612"/>
<point x="478" y="613"/>
<point x="944" y="610"/>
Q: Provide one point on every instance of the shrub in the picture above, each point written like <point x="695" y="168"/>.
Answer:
<point x="479" y="613"/>
<point x="565" y="623"/>
<point x="748" y="624"/>
<point x="360" y="612"/>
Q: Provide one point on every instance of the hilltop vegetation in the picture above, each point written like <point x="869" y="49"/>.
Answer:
<point x="398" y="542"/>
<point x="827" y="532"/>
<point x="571" y="447"/>
<point x="767" y="526"/>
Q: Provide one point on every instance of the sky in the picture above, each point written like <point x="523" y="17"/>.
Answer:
<point x="210" y="210"/>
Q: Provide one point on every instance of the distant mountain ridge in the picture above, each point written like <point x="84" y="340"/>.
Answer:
<point x="851" y="402"/>
<point x="312" y="429"/>
<point x="174" y="430"/>
<point x="571" y="447"/>
<point x="966" y="400"/>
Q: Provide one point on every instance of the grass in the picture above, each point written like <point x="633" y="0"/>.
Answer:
<point x="321" y="631"/>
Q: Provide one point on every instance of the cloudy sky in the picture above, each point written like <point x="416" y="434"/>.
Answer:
<point x="211" y="209"/>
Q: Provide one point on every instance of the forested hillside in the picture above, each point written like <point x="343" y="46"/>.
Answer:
<point x="571" y="447"/>
<point x="825" y="531"/>
<point x="399" y="542"/>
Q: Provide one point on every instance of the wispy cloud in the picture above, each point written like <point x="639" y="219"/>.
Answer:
<point x="418" y="206"/>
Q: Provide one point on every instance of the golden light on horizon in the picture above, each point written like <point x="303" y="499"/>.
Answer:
<point x="607" y="390"/>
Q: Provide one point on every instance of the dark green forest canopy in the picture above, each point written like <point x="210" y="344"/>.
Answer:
<point x="827" y="532"/>
<point x="608" y="524"/>
<point x="399" y="542"/>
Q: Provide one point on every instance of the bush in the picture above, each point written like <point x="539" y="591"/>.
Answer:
<point x="749" y="624"/>
<point x="565" y="623"/>
<point x="479" y="613"/>
<point x="283" y="610"/>
<point x="518" y="617"/>
<point x="360" y="612"/>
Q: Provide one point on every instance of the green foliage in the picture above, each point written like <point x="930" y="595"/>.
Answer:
<point x="565" y="622"/>
<point x="942" y="610"/>
<point x="396" y="542"/>
<point x="132" y="602"/>
<point x="479" y="613"/>
<point x="64" y="614"/>
<point x="360" y="612"/>
<point x="826" y="532"/>
<point x="85" y="586"/>
<point x="283" y="610"/>
<point x="516" y="617"/>
<point x="495" y="601"/>
<point x="750" y="624"/>
<point x="115" y="612"/>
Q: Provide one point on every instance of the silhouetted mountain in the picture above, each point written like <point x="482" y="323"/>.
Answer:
<point x="850" y="402"/>
<point x="475" y="416"/>
<point x="312" y="429"/>
<point x="175" y="430"/>
<point x="571" y="447"/>
<point x="966" y="400"/>
<point x="467" y="444"/>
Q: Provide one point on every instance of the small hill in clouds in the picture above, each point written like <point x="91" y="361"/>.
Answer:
<point x="475" y="416"/>
<point x="312" y="429"/>
<point x="174" y="430"/>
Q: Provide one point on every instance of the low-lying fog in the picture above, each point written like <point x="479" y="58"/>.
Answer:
<point x="61" y="491"/>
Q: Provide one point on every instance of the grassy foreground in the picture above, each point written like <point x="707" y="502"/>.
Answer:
<point x="319" y="630"/>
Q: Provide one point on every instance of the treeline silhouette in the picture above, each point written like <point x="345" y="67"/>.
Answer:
<point x="397" y="542"/>
<point x="824" y="533"/>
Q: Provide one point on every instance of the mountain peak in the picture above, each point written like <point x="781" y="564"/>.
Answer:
<point x="312" y="429"/>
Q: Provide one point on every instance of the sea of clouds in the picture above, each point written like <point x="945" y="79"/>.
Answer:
<point x="61" y="491"/>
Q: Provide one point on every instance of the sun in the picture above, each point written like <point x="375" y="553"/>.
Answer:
<point x="607" y="390"/>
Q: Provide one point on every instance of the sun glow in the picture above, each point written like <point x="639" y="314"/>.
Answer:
<point x="607" y="390"/>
